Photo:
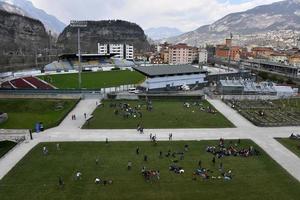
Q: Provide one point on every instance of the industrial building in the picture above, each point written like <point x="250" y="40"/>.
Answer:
<point x="248" y="87"/>
<point x="169" y="77"/>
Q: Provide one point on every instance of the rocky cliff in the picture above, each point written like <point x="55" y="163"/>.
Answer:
<point x="21" y="33"/>
<point x="20" y="36"/>
<point x="108" y="31"/>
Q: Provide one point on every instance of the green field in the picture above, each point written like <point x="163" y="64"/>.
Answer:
<point x="165" y="114"/>
<point x="95" y="80"/>
<point x="293" y="145"/>
<point x="6" y="146"/>
<point x="35" y="177"/>
<point x="25" y="113"/>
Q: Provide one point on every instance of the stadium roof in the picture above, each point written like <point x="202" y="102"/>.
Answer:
<point x="75" y="56"/>
<point x="168" y="70"/>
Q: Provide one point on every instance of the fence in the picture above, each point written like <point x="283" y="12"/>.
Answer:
<point x="65" y="92"/>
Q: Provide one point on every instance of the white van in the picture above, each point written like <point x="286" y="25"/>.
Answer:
<point x="133" y="91"/>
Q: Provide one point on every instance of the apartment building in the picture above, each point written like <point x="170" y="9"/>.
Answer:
<point x="203" y="56"/>
<point x="182" y="54"/>
<point x="121" y="51"/>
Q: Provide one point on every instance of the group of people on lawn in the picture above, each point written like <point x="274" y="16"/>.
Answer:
<point x="231" y="150"/>
<point x="218" y="151"/>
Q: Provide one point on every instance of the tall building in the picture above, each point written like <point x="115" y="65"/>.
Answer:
<point x="203" y="56"/>
<point x="182" y="54"/>
<point x="121" y="51"/>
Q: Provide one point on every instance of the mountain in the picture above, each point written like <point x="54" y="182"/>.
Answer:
<point x="274" y="24"/>
<point x="20" y="38"/>
<point x="162" y="32"/>
<point x="12" y="9"/>
<point x="50" y="22"/>
<point x="106" y="31"/>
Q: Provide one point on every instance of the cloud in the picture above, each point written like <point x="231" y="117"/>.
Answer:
<point x="184" y="14"/>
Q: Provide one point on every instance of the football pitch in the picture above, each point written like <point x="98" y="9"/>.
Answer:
<point x="94" y="80"/>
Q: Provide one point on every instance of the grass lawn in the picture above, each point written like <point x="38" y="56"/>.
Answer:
<point x="36" y="176"/>
<point x="165" y="114"/>
<point x="95" y="80"/>
<point x="6" y="146"/>
<point x="293" y="145"/>
<point x="24" y="113"/>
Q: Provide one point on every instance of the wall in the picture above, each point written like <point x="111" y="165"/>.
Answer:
<point x="173" y="81"/>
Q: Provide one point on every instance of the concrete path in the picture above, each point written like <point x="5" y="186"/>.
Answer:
<point x="231" y="114"/>
<point x="69" y="130"/>
<point x="84" y="106"/>
<point x="15" y="155"/>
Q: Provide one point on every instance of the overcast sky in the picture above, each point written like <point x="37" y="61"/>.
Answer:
<point x="186" y="15"/>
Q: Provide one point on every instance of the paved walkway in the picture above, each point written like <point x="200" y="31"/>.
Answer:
<point x="84" y="106"/>
<point x="69" y="130"/>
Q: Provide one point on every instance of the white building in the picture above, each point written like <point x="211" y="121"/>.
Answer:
<point x="169" y="77"/>
<point x="203" y="56"/>
<point x="121" y="51"/>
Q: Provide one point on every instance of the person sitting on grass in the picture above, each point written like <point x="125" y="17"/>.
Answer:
<point x="97" y="180"/>
<point x="176" y="169"/>
<point x="228" y="176"/>
<point x="78" y="175"/>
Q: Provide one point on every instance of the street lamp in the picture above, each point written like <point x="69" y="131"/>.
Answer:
<point x="78" y="25"/>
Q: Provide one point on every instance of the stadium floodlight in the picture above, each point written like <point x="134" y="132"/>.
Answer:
<point x="78" y="25"/>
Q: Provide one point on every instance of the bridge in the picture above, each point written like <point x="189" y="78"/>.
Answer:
<point x="287" y="71"/>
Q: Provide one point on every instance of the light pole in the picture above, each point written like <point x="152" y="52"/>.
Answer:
<point x="78" y="25"/>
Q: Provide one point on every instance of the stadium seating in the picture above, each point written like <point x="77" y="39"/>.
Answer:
<point x="26" y="83"/>
<point x="38" y="83"/>
<point x="21" y="84"/>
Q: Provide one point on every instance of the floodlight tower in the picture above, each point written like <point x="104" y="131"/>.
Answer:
<point x="78" y="25"/>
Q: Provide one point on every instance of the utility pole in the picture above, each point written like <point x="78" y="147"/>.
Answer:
<point x="78" y="25"/>
<point x="49" y="51"/>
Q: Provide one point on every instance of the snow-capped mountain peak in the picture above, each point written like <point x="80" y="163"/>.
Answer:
<point x="25" y="7"/>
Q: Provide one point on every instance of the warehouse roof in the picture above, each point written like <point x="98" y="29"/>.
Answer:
<point x="165" y="70"/>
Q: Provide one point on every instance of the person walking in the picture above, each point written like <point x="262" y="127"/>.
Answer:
<point x="129" y="165"/>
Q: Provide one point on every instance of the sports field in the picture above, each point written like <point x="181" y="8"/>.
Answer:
<point x="164" y="114"/>
<point x="292" y="145"/>
<point x="25" y="113"/>
<point x="6" y="146"/>
<point x="95" y="80"/>
<point x="37" y="175"/>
